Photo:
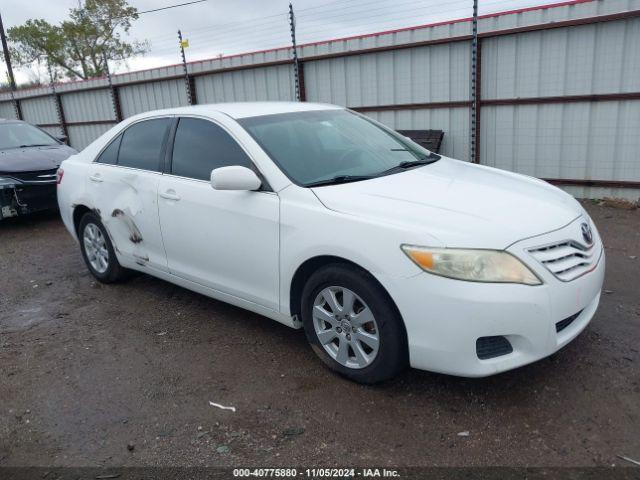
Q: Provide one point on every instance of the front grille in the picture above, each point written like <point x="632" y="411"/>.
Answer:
<point x="567" y="260"/>
<point x="562" y="324"/>
<point x="41" y="176"/>
<point x="492" y="347"/>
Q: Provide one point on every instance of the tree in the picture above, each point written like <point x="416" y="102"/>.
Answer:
<point x="77" y="47"/>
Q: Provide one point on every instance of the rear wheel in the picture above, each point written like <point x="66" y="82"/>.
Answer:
<point x="97" y="250"/>
<point x="352" y="325"/>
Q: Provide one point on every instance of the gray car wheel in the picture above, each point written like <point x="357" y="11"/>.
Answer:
<point x="353" y="325"/>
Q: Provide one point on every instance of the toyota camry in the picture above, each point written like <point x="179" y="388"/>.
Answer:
<point x="386" y="254"/>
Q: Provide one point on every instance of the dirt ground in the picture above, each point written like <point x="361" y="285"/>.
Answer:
<point x="94" y="375"/>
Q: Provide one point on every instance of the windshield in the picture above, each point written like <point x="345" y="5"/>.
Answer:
<point x="16" y="135"/>
<point x="333" y="146"/>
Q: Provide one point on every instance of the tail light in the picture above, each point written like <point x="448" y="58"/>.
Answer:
<point x="59" y="175"/>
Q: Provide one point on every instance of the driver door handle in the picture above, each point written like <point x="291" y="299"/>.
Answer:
<point x="170" y="195"/>
<point x="96" y="177"/>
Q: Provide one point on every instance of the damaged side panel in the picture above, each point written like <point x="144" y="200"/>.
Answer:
<point x="127" y="200"/>
<point x="136" y="236"/>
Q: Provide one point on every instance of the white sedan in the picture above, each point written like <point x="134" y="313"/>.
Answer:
<point x="386" y="254"/>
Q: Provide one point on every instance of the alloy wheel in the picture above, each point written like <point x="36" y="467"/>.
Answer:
<point x="95" y="247"/>
<point x="345" y="327"/>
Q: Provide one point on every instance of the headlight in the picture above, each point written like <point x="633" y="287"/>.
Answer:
<point x="7" y="181"/>
<point x="472" y="265"/>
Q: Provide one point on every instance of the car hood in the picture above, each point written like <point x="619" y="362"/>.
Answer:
<point x="457" y="203"/>
<point x="33" y="159"/>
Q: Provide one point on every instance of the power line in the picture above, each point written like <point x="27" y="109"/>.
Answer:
<point x="171" y="6"/>
<point x="247" y="34"/>
<point x="412" y="5"/>
<point x="233" y="25"/>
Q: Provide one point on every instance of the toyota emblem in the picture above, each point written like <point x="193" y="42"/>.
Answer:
<point x="586" y="233"/>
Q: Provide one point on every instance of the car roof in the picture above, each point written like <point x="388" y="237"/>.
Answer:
<point x="239" y="110"/>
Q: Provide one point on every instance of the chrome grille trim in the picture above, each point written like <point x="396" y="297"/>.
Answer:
<point x="568" y="259"/>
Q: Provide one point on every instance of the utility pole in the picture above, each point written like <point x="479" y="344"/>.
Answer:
<point x="475" y="94"/>
<point x="187" y="80"/>
<point x="296" y="64"/>
<point x="7" y="57"/>
<point x="14" y="101"/>
<point x="10" y="77"/>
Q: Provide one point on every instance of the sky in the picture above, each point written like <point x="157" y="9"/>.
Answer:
<point x="225" y="27"/>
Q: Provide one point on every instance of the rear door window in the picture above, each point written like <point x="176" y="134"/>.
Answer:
<point x="110" y="154"/>
<point x="201" y="146"/>
<point x="142" y="144"/>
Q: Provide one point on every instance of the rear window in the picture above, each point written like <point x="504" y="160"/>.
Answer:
<point x="142" y="144"/>
<point x="110" y="154"/>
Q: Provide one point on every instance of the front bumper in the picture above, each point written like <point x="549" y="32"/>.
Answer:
<point x="444" y="318"/>
<point x="22" y="199"/>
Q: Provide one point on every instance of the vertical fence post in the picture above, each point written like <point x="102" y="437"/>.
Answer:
<point x="57" y="101"/>
<point x="115" y="100"/>
<point x="191" y="98"/>
<point x="297" y="71"/>
<point x="14" y="101"/>
<point x="474" y="145"/>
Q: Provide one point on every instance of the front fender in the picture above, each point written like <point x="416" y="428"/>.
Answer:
<point x="308" y="229"/>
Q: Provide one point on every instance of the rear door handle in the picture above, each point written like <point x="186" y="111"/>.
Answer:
<point x="170" y="195"/>
<point x="96" y="177"/>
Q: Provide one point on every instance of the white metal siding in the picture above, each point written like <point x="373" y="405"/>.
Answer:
<point x="152" y="96"/>
<point x="7" y="110"/>
<point x="598" y="140"/>
<point x="256" y="84"/>
<point x="597" y="58"/>
<point x="82" y="135"/>
<point x="88" y="106"/>
<point x="437" y="73"/>
<point x="39" y="110"/>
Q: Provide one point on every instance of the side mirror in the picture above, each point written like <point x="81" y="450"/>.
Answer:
<point x="62" y="138"/>
<point x="234" y="178"/>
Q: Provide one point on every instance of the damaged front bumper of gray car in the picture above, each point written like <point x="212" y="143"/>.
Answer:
<point x="24" y="196"/>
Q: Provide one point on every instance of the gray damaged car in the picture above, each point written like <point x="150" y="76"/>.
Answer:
<point x="29" y="160"/>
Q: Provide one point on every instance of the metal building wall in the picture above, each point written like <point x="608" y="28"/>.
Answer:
<point x="561" y="140"/>
<point x="438" y="73"/>
<point x="92" y="106"/>
<point x="597" y="58"/>
<point x="40" y="110"/>
<point x="256" y="84"/>
<point x="143" y="97"/>
<point x="429" y="74"/>
<point x="82" y="135"/>
<point x="7" y="110"/>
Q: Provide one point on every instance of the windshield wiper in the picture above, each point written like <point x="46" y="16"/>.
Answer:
<point x="407" y="164"/>
<point x="36" y="145"/>
<point x="339" y="179"/>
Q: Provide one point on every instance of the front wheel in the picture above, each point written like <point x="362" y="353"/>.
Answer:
<point x="352" y="324"/>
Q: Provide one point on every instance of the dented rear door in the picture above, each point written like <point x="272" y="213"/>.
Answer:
<point x="125" y="193"/>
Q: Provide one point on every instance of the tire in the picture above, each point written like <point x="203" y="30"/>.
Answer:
<point x="91" y="226"/>
<point x="365" y="362"/>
